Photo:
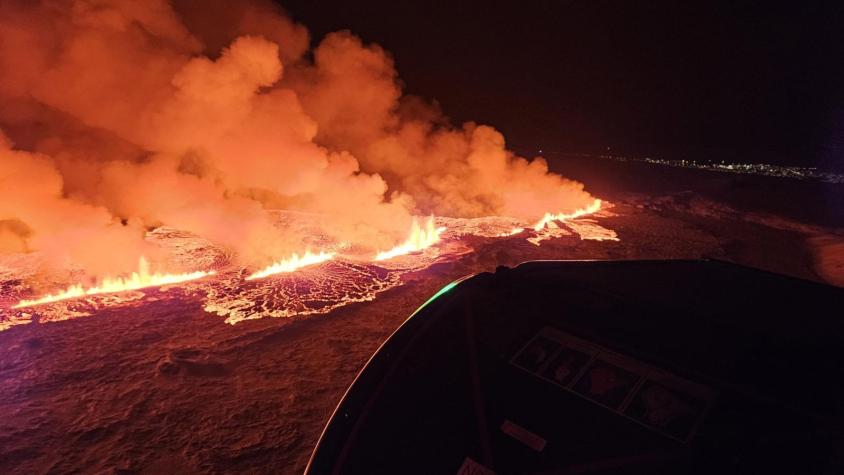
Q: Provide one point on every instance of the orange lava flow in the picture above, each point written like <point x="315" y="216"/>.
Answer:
<point x="137" y="280"/>
<point x="512" y="232"/>
<point x="420" y="238"/>
<point x="292" y="263"/>
<point x="548" y="218"/>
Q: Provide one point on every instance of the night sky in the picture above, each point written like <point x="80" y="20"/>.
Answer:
<point x="738" y="81"/>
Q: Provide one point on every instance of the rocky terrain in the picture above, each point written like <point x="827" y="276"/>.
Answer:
<point x="157" y="381"/>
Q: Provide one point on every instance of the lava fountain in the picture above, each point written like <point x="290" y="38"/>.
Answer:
<point x="137" y="280"/>
<point x="292" y="264"/>
<point x="421" y="237"/>
<point x="593" y="208"/>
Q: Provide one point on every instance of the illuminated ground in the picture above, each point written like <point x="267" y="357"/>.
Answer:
<point x="156" y="381"/>
<point x="234" y="292"/>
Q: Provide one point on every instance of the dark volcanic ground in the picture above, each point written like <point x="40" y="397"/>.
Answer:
<point x="164" y="387"/>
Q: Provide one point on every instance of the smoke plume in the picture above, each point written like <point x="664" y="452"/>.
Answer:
<point x="119" y="116"/>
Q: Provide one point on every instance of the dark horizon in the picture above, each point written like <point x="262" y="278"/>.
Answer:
<point x="734" y="81"/>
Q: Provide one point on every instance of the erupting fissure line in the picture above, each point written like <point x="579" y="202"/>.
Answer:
<point x="420" y="238"/>
<point x="137" y="280"/>
<point x="292" y="263"/>
<point x="548" y="218"/>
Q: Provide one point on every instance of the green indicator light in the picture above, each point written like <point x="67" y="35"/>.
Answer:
<point x="444" y="290"/>
<point x="439" y="294"/>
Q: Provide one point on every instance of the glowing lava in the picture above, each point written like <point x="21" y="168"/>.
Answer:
<point x="512" y="232"/>
<point x="587" y="229"/>
<point x="420" y="238"/>
<point x="292" y="263"/>
<point x="137" y="280"/>
<point x="550" y="218"/>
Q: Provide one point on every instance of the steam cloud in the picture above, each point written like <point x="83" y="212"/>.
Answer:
<point x="117" y="116"/>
